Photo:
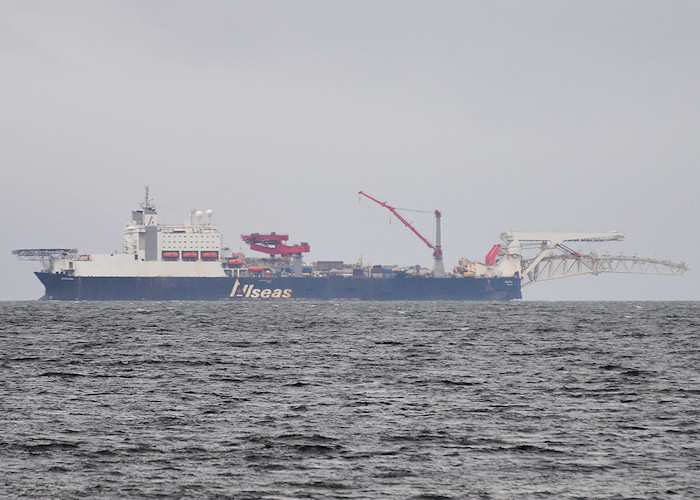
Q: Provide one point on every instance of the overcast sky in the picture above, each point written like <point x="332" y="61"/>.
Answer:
<point x="537" y="115"/>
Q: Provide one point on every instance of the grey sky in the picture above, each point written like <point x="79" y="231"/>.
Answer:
<point x="542" y="115"/>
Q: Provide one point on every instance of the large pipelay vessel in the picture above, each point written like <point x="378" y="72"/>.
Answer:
<point x="189" y="262"/>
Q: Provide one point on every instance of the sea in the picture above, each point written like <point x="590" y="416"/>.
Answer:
<point x="363" y="400"/>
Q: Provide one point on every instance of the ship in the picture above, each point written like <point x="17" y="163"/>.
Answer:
<point x="190" y="262"/>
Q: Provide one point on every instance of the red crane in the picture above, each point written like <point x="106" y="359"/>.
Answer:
<point x="439" y="269"/>
<point x="272" y="244"/>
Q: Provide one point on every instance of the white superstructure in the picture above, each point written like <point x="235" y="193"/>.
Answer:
<point x="151" y="249"/>
<point x="146" y="240"/>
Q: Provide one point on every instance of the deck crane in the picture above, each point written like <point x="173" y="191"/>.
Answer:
<point x="273" y="244"/>
<point x="439" y="266"/>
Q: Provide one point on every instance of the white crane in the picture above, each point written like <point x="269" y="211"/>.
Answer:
<point x="553" y="259"/>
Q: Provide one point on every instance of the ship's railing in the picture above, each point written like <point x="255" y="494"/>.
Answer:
<point x="202" y="228"/>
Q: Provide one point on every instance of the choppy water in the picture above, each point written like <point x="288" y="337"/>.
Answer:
<point x="350" y="400"/>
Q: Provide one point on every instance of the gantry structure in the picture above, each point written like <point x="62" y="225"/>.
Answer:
<point x="554" y="258"/>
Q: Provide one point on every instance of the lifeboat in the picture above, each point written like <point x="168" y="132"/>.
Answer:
<point x="170" y="255"/>
<point x="210" y="255"/>
<point x="190" y="255"/>
<point x="235" y="262"/>
<point x="256" y="269"/>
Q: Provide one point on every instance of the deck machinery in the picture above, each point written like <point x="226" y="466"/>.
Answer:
<point x="554" y="259"/>
<point x="273" y="244"/>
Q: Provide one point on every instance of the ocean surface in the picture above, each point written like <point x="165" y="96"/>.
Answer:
<point x="350" y="400"/>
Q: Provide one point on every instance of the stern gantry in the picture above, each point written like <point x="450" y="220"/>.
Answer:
<point x="553" y="259"/>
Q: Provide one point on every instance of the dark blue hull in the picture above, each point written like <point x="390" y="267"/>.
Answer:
<point x="66" y="287"/>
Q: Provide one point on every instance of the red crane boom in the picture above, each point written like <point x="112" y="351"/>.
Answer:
<point x="437" y="250"/>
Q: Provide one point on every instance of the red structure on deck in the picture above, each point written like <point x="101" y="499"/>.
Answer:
<point x="272" y="244"/>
